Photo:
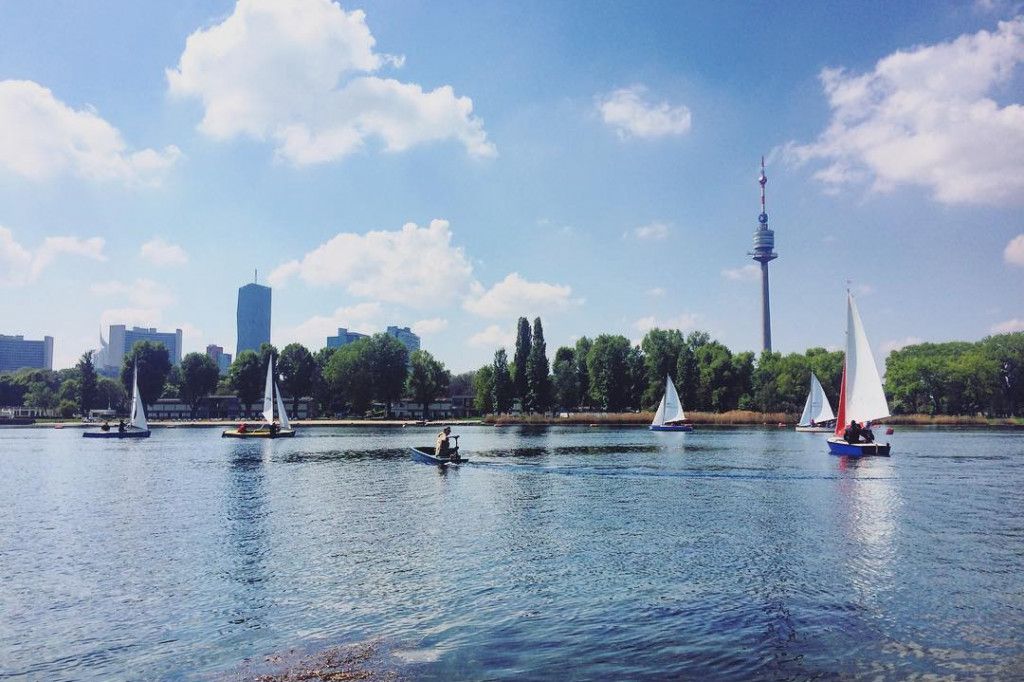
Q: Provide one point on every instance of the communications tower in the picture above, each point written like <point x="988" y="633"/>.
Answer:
<point x="764" y="253"/>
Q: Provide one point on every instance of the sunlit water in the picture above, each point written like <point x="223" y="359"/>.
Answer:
<point x="560" y="553"/>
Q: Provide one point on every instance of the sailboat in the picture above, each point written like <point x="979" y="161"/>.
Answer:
<point x="669" y="416"/>
<point x="861" y="397"/>
<point x="268" y="429"/>
<point x="137" y="426"/>
<point x="817" y="411"/>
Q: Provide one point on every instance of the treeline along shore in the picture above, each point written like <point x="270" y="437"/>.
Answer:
<point x="605" y="379"/>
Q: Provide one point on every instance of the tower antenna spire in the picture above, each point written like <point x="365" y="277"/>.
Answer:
<point x="764" y="253"/>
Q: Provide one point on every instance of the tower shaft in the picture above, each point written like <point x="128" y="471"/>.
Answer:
<point x="766" y="313"/>
<point x="764" y="253"/>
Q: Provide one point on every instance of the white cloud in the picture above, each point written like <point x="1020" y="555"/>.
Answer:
<point x="745" y="272"/>
<point x="517" y="296"/>
<point x="415" y="266"/>
<point x="131" y="316"/>
<point x="928" y="117"/>
<point x="494" y="337"/>
<point x="20" y="265"/>
<point x="683" y="322"/>
<point x="296" y="72"/>
<point x="897" y="344"/>
<point x="1014" y="325"/>
<point x="631" y="115"/>
<point x="41" y="137"/>
<point x="364" y="318"/>
<point x="1014" y="252"/>
<point x="142" y="293"/>
<point x="656" y="292"/>
<point x="434" y="325"/>
<point x="655" y="231"/>
<point x="161" y="252"/>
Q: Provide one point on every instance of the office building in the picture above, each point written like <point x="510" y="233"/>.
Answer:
<point x="253" y="317"/>
<point x="120" y="340"/>
<point x="344" y="338"/>
<point x="406" y="336"/>
<point x="217" y="354"/>
<point x="17" y="352"/>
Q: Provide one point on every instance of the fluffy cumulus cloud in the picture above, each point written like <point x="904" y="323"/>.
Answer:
<point x="300" y="73"/>
<point x="1014" y="251"/>
<point x="434" y="325"/>
<point x="160" y="252"/>
<point x="929" y="117"/>
<point x="683" y="322"/>
<point x="42" y="137"/>
<point x="517" y="296"/>
<point x="140" y="302"/>
<point x="365" y="318"/>
<point x="655" y="231"/>
<point x="416" y="266"/>
<point x="20" y="265"/>
<point x="493" y="336"/>
<point x="742" y="273"/>
<point x="1007" y="327"/>
<point x="629" y="112"/>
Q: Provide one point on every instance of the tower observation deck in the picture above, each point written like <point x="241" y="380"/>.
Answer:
<point x="764" y="253"/>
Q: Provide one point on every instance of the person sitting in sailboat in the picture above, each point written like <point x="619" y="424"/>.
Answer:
<point x="121" y="426"/>
<point x="866" y="434"/>
<point x="852" y="432"/>
<point x="242" y="428"/>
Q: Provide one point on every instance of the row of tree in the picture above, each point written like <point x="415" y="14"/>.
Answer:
<point x="606" y="373"/>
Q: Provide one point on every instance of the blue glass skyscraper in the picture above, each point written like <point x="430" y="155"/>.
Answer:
<point x="253" y="317"/>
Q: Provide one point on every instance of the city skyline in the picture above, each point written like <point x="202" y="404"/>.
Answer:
<point x="605" y="182"/>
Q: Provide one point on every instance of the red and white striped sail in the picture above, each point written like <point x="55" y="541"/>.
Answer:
<point x="861" y="397"/>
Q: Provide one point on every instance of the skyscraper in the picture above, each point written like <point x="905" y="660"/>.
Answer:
<point x="344" y="338"/>
<point x="121" y="339"/>
<point x="764" y="253"/>
<point x="406" y="336"/>
<point x="217" y="354"/>
<point x="253" y="317"/>
<point x="16" y="352"/>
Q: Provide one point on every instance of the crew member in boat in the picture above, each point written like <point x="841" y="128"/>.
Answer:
<point x="121" y="426"/>
<point x="273" y="430"/>
<point x="442" y="446"/>
<point x="106" y="426"/>
<point x="242" y="428"/>
<point x="866" y="434"/>
<point x="852" y="433"/>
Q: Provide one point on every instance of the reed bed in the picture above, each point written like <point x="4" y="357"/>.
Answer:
<point x="641" y="418"/>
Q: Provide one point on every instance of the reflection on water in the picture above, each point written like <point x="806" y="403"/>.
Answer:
<point x="558" y="553"/>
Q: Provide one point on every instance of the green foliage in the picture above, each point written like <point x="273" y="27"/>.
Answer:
<point x="581" y="352"/>
<point x="154" y="364"/>
<point x="538" y="371"/>
<point x="462" y="384"/>
<point x="661" y="350"/>
<point x="428" y="379"/>
<point x="349" y="375"/>
<point x="566" y="380"/>
<point x="246" y="376"/>
<point x="389" y="366"/>
<point x="110" y="395"/>
<point x="87" y="395"/>
<point x="520" y="370"/>
<point x="483" y="389"/>
<point x="608" y="368"/>
<point x="327" y="402"/>
<point x="199" y="377"/>
<point x="67" y="408"/>
<point x="296" y="368"/>
<point x="503" y="397"/>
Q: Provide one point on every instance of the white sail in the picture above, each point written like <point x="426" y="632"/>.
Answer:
<point x="659" y="416"/>
<point x="268" y="394"/>
<point x="817" y="407"/>
<point x="282" y="414"/>
<point x="673" y="406"/>
<point x="138" y="418"/>
<point x="865" y="399"/>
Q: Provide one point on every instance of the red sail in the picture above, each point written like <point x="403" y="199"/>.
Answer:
<point x="841" y="409"/>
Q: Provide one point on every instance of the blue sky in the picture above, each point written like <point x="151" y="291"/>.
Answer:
<point x="454" y="165"/>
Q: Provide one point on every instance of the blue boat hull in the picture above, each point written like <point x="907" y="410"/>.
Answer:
<point x="115" y="434"/>
<point x="839" y="447"/>
<point x="426" y="456"/>
<point x="671" y="427"/>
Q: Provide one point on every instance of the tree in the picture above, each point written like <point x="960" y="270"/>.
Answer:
<point x="86" y="383"/>
<point x="199" y="376"/>
<point x="661" y="358"/>
<point x="428" y="379"/>
<point x="246" y="376"/>
<point x="326" y="400"/>
<point x="389" y="363"/>
<point x="110" y="394"/>
<point x="538" y="371"/>
<point x="483" y="389"/>
<point x="608" y="369"/>
<point x="503" y="397"/>
<point x="154" y="363"/>
<point x="462" y="384"/>
<point x="636" y="381"/>
<point x="520" y="380"/>
<point x="266" y="351"/>
<point x="566" y="383"/>
<point x="296" y="368"/>
<point x="349" y="375"/>
<point x="581" y="352"/>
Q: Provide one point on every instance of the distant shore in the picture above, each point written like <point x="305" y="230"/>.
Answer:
<point x="638" y="419"/>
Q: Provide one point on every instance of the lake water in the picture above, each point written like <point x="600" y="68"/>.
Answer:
<point x="560" y="553"/>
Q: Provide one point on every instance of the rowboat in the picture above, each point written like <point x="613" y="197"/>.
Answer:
<point x="137" y="426"/>
<point x="268" y="429"/>
<point x="426" y="456"/>
<point x="669" y="416"/>
<point x="861" y="396"/>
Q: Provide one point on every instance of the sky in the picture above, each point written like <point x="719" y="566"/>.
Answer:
<point x="451" y="166"/>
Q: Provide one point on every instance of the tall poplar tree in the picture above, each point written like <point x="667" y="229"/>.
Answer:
<point x="502" y="383"/>
<point x="538" y="371"/>
<point x="520" y="380"/>
<point x="87" y="383"/>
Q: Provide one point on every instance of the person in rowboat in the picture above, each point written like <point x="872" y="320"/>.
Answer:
<point x="442" y="446"/>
